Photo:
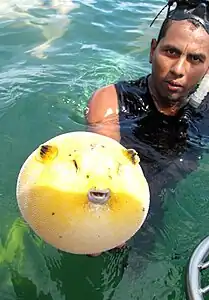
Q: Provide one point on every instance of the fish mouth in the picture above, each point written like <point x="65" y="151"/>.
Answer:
<point x="97" y="196"/>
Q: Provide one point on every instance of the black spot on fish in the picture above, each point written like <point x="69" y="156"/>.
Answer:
<point x="60" y="237"/>
<point x="87" y="176"/>
<point x="92" y="146"/>
<point x="119" y="168"/>
<point x="103" y="146"/>
<point x="76" y="165"/>
<point x="69" y="154"/>
<point x="143" y="209"/>
<point x="109" y="170"/>
<point x="53" y="214"/>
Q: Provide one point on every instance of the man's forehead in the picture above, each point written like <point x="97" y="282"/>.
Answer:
<point x="185" y="34"/>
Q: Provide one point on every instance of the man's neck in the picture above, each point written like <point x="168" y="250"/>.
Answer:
<point x="171" y="110"/>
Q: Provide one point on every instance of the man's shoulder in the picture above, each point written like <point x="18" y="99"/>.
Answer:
<point x="110" y="91"/>
<point x="103" y="100"/>
<point x="104" y="91"/>
<point x="113" y="98"/>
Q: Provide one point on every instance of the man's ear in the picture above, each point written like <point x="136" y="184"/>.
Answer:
<point x="152" y="49"/>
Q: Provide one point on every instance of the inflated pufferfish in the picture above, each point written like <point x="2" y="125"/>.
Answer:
<point x="83" y="192"/>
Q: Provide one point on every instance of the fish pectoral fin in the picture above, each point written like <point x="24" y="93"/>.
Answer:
<point x="132" y="156"/>
<point x="46" y="153"/>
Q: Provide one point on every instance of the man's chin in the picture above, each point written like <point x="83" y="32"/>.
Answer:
<point x="173" y="97"/>
<point x="170" y="108"/>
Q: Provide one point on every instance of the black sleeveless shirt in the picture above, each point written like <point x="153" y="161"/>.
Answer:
<point x="168" y="151"/>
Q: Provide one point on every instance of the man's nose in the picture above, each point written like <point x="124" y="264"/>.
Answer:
<point x="178" y="68"/>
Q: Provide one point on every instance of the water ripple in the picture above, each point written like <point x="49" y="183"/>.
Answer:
<point x="103" y="42"/>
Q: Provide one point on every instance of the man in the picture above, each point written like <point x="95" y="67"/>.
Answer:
<point x="146" y="114"/>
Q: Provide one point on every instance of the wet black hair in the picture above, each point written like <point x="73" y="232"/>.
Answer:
<point x="194" y="11"/>
<point x="167" y="23"/>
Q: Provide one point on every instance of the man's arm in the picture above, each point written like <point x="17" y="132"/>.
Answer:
<point x="102" y="112"/>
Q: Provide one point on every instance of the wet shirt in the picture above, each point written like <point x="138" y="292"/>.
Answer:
<point x="168" y="151"/>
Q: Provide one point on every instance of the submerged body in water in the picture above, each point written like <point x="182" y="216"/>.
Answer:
<point x="160" y="140"/>
<point x="168" y="150"/>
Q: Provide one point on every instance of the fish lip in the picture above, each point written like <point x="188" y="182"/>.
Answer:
<point x="98" y="196"/>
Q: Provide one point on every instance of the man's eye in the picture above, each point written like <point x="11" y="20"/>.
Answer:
<point x="195" y="59"/>
<point x="171" y="52"/>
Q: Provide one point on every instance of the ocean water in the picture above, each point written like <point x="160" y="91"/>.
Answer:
<point x="51" y="60"/>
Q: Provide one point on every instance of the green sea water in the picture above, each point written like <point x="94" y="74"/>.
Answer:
<point x="44" y="92"/>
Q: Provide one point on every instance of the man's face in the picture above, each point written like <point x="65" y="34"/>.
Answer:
<point x="179" y="61"/>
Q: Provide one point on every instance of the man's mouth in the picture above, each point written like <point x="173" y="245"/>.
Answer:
<point x="174" y="86"/>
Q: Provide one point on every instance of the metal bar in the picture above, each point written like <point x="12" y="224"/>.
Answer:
<point x="193" y="280"/>
<point x="205" y="290"/>
<point x="204" y="266"/>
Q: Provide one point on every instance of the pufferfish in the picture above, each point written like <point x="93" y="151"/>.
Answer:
<point x="83" y="192"/>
